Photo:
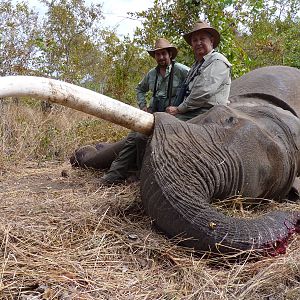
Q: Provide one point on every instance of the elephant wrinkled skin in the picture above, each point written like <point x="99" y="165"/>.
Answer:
<point x="250" y="148"/>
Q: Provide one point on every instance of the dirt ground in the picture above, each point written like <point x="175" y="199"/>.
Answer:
<point x="49" y="211"/>
<point x="64" y="236"/>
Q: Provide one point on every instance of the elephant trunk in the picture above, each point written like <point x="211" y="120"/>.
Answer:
<point x="184" y="170"/>
<point x="77" y="98"/>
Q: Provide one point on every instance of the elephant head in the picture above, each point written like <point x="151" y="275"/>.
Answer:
<point x="225" y="152"/>
<point x="250" y="149"/>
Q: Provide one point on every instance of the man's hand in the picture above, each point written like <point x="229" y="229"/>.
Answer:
<point x="172" y="110"/>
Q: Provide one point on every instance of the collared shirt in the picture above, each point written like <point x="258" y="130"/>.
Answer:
<point x="148" y="83"/>
<point x="208" y="83"/>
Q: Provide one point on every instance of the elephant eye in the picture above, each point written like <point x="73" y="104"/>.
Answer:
<point x="230" y="120"/>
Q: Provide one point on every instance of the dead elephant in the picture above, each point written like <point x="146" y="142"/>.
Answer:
<point x="250" y="148"/>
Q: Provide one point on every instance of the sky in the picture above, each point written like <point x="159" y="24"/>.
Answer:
<point x="115" y="12"/>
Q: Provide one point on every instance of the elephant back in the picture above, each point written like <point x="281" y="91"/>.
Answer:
<point x="277" y="85"/>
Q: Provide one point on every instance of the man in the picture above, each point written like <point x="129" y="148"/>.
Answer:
<point x="163" y="81"/>
<point x="208" y="82"/>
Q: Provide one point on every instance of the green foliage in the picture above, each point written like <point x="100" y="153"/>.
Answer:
<point x="252" y="32"/>
<point x="291" y="38"/>
<point x="68" y="44"/>
<point x="18" y="28"/>
<point x="124" y="63"/>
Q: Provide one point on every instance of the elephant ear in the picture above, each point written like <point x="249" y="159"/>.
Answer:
<point x="277" y="85"/>
<point x="185" y="166"/>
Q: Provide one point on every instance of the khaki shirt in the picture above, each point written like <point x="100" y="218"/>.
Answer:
<point x="148" y="82"/>
<point x="208" y="83"/>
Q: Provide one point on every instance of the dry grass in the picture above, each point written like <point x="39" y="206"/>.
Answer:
<point x="71" y="238"/>
<point x="28" y="134"/>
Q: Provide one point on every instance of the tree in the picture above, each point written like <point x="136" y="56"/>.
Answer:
<point x="272" y="37"/>
<point x="122" y="66"/>
<point x="171" y="19"/>
<point x="69" y="41"/>
<point x="19" y="29"/>
<point x="248" y="29"/>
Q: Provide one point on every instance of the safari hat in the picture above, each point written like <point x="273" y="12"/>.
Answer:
<point x="203" y="26"/>
<point x="163" y="44"/>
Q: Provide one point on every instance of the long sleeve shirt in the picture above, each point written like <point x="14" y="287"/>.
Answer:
<point x="208" y="83"/>
<point x="148" y="84"/>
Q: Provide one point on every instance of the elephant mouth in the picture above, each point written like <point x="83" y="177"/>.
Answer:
<point x="280" y="245"/>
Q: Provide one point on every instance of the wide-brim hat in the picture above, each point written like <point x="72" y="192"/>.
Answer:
<point x="203" y="26"/>
<point x="163" y="44"/>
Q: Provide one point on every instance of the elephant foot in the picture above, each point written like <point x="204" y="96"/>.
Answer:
<point x="80" y="156"/>
<point x="98" y="157"/>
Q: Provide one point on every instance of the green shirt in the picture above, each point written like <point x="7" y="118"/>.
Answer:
<point x="148" y="83"/>
<point x="208" y="83"/>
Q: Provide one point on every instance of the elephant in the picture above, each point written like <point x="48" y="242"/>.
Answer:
<point x="253" y="152"/>
<point x="249" y="148"/>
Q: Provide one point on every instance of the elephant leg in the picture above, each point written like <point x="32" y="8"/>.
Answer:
<point x="102" y="146"/>
<point x="141" y="143"/>
<point x="97" y="157"/>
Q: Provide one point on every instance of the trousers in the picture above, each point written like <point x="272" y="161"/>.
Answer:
<point x="130" y="158"/>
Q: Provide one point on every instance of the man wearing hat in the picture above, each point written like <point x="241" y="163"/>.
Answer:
<point x="208" y="82"/>
<point x="163" y="80"/>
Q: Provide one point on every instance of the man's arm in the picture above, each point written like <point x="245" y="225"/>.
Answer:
<point x="141" y="90"/>
<point x="183" y="70"/>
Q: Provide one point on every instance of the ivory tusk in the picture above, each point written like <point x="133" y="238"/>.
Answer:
<point x="78" y="98"/>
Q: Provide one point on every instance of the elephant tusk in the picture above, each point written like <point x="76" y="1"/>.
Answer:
<point x="78" y="98"/>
